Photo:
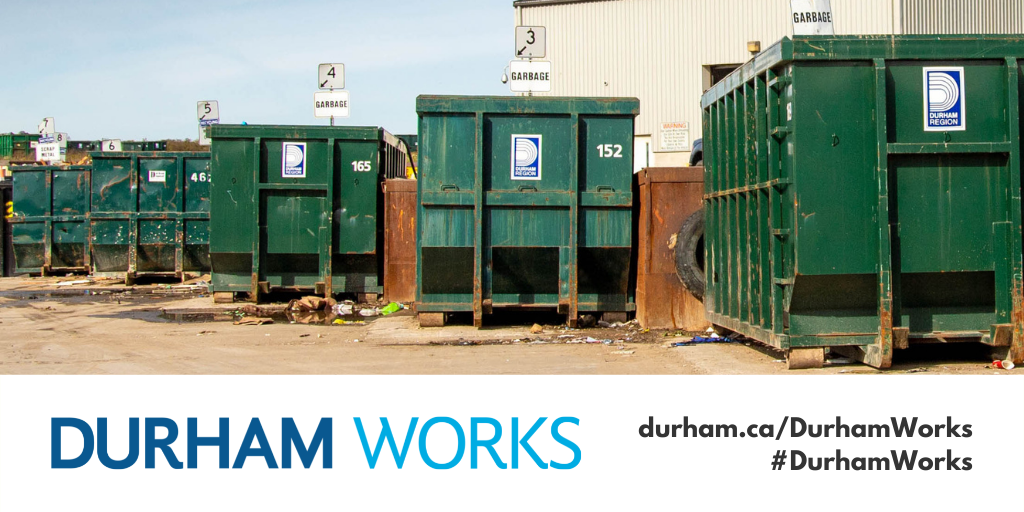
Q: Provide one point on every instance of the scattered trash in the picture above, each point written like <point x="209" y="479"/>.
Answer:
<point x="369" y="312"/>
<point x="251" y="320"/>
<point x="206" y="333"/>
<point x="1005" y="364"/>
<point x="394" y="307"/>
<point x="311" y="303"/>
<point x="341" y="321"/>
<point x="602" y="323"/>
<point x="840" y="360"/>
<point x="917" y="370"/>
<point x="73" y="283"/>
<point x="304" y="335"/>
<point x="697" y="340"/>
<point x="783" y="361"/>
<point x="343" y="309"/>
<point x="356" y="341"/>
<point x="623" y="353"/>
<point x="587" y="321"/>
<point x="536" y="329"/>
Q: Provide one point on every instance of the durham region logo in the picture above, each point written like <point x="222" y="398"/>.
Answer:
<point x="293" y="160"/>
<point x="944" y="99"/>
<point x="526" y="157"/>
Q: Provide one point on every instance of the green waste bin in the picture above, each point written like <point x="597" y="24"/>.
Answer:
<point x="49" y="227"/>
<point x="299" y="208"/>
<point x="862" y="193"/>
<point x="150" y="214"/>
<point x="524" y="202"/>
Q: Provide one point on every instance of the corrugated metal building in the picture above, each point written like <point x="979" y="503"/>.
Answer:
<point x="665" y="52"/>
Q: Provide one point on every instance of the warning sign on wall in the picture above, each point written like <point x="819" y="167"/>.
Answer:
<point x="674" y="137"/>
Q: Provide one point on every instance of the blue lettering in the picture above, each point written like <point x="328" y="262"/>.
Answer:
<point x="525" y="443"/>
<point x="194" y="442"/>
<point x="458" y="452"/>
<point x="254" y="433"/>
<point x="290" y="437"/>
<point x="56" y="424"/>
<point x="152" y="443"/>
<point x="133" y="444"/>
<point x="475" y="442"/>
<point x="385" y="433"/>
<point x="576" y="454"/>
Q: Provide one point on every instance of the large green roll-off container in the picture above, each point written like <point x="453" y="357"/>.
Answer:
<point x="862" y="193"/>
<point x="524" y="202"/>
<point x="150" y="214"/>
<point x="50" y="226"/>
<point x="299" y="209"/>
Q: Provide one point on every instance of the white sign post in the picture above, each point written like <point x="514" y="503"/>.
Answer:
<point x="208" y="113"/>
<point x="329" y="78"/>
<point x="47" y="129"/>
<point x="62" y="143"/>
<point x="812" y="17"/>
<point x="529" y="76"/>
<point x="330" y="104"/>
<point x="531" y="42"/>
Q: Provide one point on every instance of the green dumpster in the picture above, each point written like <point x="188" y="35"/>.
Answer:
<point x="299" y="208"/>
<point x="49" y="227"/>
<point x="862" y="193"/>
<point x="524" y="203"/>
<point x="150" y="214"/>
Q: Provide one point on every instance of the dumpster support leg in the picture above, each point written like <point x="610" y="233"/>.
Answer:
<point x="803" y="358"/>
<point x="1016" y="353"/>
<point x="478" y="220"/>
<point x="574" y="220"/>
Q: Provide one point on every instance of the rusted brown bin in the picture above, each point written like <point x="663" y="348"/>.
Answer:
<point x="669" y="197"/>
<point x="400" y="240"/>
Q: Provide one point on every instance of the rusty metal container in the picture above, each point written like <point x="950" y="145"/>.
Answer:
<point x="669" y="198"/>
<point x="524" y="202"/>
<point x="150" y="214"/>
<point x="400" y="240"/>
<point x="49" y="226"/>
<point x="863" y="194"/>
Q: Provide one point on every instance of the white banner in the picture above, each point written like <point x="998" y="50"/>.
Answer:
<point x="555" y="443"/>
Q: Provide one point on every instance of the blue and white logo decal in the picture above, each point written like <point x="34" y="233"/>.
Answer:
<point x="293" y="160"/>
<point x="944" y="99"/>
<point x="526" y="164"/>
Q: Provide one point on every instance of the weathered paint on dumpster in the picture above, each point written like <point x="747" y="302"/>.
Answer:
<point x="150" y="213"/>
<point x="49" y="226"/>
<point x="835" y="218"/>
<point x="524" y="202"/>
<point x="299" y="208"/>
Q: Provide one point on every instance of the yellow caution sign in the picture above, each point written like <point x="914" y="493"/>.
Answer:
<point x="9" y="209"/>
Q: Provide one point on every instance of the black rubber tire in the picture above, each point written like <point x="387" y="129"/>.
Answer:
<point x="690" y="254"/>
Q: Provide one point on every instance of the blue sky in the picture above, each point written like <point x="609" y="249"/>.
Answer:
<point x="135" y="69"/>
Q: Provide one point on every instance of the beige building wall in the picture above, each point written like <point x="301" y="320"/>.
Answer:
<point x="655" y="50"/>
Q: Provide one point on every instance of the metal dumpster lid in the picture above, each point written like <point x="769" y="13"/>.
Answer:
<point x="528" y="105"/>
<point x="869" y="47"/>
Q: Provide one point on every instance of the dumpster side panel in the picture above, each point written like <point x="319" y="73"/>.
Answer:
<point x="232" y="206"/>
<point x="835" y="234"/>
<point x="297" y="208"/>
<point x="886" y="226"/>
<point x="50" y="213"/>
<point x="148" y="213"/>
<point x="525" y="202"/>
